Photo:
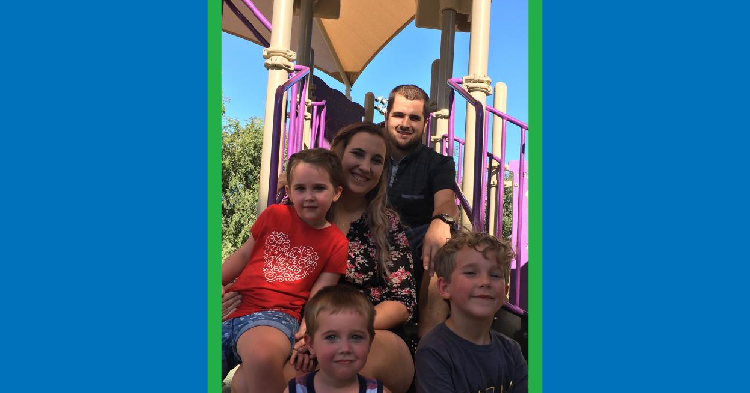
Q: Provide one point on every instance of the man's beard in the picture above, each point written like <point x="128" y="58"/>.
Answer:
<point x="408" y="145"/>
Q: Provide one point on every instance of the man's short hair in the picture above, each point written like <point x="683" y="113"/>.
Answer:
<point x="445" y="258"/>
<point x="337" y="298"/>
<point x="411" y="93"/>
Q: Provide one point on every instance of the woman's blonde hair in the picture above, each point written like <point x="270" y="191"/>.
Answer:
<point x="377" y="198"/>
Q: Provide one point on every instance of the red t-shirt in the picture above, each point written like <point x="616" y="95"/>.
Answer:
<point x="287" y="258"/>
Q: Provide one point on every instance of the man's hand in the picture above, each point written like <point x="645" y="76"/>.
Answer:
<point x="229" y="302"/>
<point x="437" y="235"/>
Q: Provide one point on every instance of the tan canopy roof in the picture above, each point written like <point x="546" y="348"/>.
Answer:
<point x="344" y="46"/>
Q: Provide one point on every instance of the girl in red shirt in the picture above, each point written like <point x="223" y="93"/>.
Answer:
<point x="292" y="253"/>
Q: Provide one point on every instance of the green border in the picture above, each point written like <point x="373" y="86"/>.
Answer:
<point x="535" y="196"/>
<point x="214" y="196"/>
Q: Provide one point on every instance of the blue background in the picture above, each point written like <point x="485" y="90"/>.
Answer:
<point x="104" y="213"/>
<point x="645" y="209"/>
<point x="104" y="203"/>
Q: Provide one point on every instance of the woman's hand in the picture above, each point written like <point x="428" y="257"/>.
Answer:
<point x="229" y="302"/>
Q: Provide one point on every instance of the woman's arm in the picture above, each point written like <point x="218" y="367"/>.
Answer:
<point x="233" y="265"/>
<point x="389" y="314"/>
<point x="399" y="283"/>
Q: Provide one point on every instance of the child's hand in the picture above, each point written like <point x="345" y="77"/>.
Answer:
<point x="302" y="359"/>
<point x="229" y="302"/>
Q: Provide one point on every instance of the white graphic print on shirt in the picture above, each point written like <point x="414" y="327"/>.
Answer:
<point x="280" y="263"/>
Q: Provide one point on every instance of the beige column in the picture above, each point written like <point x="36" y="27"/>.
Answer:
<point x="369" y="106"/>
<point x="447" y="39"/>
<point x="279" y="64"/>
<point x="500" y="103"/>
<point x="478" y="85"/>
<point x="432" y="141"/>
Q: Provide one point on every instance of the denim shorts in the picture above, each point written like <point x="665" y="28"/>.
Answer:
<point x="232" y="329"/>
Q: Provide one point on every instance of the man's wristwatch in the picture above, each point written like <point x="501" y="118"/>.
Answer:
<point x="446" y="219"/>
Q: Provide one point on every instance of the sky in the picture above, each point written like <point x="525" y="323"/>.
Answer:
<point x="406" y="59"/>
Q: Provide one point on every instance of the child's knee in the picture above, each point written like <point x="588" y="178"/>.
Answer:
<point x="263" y="348"/>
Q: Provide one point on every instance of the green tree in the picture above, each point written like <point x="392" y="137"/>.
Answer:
<point x="241" y="147"/>
<point x="508" y="208"/>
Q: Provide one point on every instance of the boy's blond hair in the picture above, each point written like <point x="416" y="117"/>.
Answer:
<point x="445" y="258"/>
<point x="335" y="299"/>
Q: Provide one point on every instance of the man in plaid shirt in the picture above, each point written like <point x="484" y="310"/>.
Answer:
<point x="421" y="190"/>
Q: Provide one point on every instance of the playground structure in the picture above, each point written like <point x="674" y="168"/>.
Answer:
<point x="293" y="121"/>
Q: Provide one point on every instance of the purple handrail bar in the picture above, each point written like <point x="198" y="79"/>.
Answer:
<point x="314" y="124"/>
<point x="276" y="133"/>
<point x="247" y="23"/>
<point x="322" y="142"/>
<point x="317" y="134"/>
<point x="500" y="193"/>
<point x="478" y="207"/>
<point x="451" y="134"/>
<point x="296" y="117"/>
<point x="258" y="14"/>
<point x="427" y="132"/>
<point x="291" y="138"/>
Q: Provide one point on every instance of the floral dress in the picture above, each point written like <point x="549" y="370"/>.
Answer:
<point x="363" y="269"/>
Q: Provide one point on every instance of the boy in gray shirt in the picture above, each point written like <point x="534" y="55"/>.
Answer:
<point x="464" y="354"/>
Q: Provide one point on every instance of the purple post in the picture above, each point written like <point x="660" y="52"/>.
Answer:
<point x="451" y="132"/>
<point x="276" y="133"/>
<point x="498" y="197"/>
<point x="258" y="14"/>
<point x="501" y="191"/>
<point x="316" y="132"/>
<point x="479" y="152"/>
<point x="323" y="141"/>
<point x="519" y="244"/>
<point x="286" y="128"/>
<point x="461" y="145"/>
<point x="427" y="131"/>
<point x="314" y="126"/>
<point x="452" y="125"/>
<point x="301" y="117"/>
<point x="485" y="132"/>
<point x="292" y="135"/>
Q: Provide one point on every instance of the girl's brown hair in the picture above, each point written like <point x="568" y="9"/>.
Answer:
<point x="321" y="158"/>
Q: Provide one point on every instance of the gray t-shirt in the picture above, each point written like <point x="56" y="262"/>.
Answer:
<point x="445" y="362"/>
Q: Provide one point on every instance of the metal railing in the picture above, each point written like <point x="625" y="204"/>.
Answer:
<point x="317" y="132"/>
<point x="483" y="159"/>
<point x="278" y="118"/>
<point x="247" y="23"/>
<point x="294" y="131"/>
